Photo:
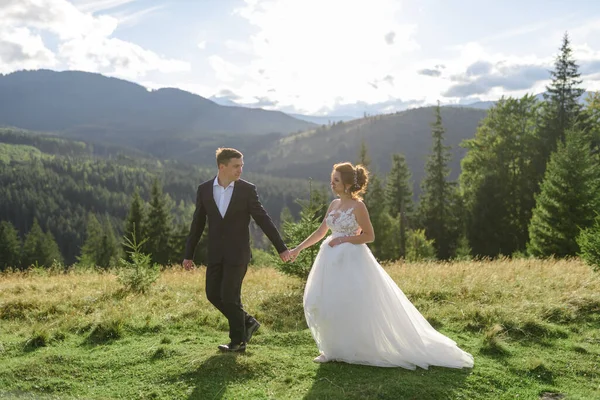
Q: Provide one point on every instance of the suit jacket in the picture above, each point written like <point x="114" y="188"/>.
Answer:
<point x="229" y="236"/>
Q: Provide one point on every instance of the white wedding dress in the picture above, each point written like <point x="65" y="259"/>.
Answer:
<point x="357" y="314"/>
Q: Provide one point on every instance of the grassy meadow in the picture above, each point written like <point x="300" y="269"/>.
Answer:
<point x="533" y="327"/>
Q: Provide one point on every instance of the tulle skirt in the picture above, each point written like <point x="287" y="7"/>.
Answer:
<point x="357" y="314"/>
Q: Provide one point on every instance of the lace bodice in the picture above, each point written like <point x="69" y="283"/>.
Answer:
<point x="342" y="222"/>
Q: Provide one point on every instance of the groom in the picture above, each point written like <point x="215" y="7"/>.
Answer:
<point x="228" y="202"/>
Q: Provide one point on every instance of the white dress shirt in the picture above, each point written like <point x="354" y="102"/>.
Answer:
<point x="222" y="195"/>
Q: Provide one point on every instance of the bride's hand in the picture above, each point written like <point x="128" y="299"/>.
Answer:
<point x="335" y="241"/>
<point x="294" y="254"/>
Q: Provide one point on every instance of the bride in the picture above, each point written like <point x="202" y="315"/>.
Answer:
<point x="355" y="311"/>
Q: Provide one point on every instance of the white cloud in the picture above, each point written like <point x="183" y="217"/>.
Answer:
<point x="224" y="70"/>
<point x="314" y="51"/>
<point x="125" y="59"/>
<point x="85" y="40"/>
<point x="239" y="46"/>
<point x="20" y="48"/>
<point x="133" y="18"/>
<point x="202" y="44"/>
<point x="93" y="6"/>
<point x="56" y="16"/>
<point x="586" y="32"/>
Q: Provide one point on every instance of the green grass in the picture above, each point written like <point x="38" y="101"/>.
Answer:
<point x="532" y="326"/>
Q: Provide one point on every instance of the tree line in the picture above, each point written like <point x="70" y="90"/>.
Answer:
<point x="529" y="183"/>
<point x="67" y="189"/>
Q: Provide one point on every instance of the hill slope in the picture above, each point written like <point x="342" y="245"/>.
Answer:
<point x="314" y="152"/>
<point x="95" y="107"/>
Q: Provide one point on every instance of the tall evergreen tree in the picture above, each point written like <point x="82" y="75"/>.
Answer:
<point x="398" y="197"/>
<point x="158" y="229"/>
<point x="499" y="179"/>
<point x="562" y="107"/>
<point x="363" y="155"/>
<point x="437" y="194"/>
<point x="591" y="116"/>
<point x="375" y="201"/>
<point x="93" y="240"/>
<point x="569" y="197"/>
<point x="386" y="227"/>
<point x="50" y="250"/>
<point x="134" y="225"/>
<point x="109" y="255"/>
<point x="39" y="248"/>
<point x="10" y="246"/>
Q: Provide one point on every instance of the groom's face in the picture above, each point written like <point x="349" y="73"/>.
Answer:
<point x="232" y="171"/>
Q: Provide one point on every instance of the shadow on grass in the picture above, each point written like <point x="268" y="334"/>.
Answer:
<point x="348" y="381"/>
<point x="283" y="312"/>
<point x="211" y="379"/>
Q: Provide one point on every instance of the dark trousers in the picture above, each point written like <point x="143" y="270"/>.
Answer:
<point x="224" y="290"/>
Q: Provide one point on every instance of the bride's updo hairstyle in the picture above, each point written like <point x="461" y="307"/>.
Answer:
<point x="357" y="177"/>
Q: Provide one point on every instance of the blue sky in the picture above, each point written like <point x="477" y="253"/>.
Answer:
<point x="317" y="57"/>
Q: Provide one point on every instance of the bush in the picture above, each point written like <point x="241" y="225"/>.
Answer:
<point x="311" y="216"/>
<point x="140" y="273"/>
<point x="418" y="247"/>
<point x="589" y="244"/>
<point x="262" y="258"/>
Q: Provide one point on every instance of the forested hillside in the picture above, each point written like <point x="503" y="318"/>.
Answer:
<point x="59" y="181"/>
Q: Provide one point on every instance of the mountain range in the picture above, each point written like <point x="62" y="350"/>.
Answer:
<point x="94" y="106"/>
<point x="174" y="124"/>
<point x="315" y="119"/>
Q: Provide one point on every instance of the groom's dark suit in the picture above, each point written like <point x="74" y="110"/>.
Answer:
<point x="229" y="247"/>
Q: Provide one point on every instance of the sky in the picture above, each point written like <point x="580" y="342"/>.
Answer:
<point x="317" y="57"/>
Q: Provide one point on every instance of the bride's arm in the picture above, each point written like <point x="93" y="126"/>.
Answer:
<point x="362" y="218"/>
<point x="317" y="234"/>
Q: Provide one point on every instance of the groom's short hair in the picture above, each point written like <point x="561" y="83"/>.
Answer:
<point x="225" y="154"/>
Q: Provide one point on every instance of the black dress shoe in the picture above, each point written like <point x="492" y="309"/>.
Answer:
<point x="234" y="348"/>
<point x="251" y="327"/>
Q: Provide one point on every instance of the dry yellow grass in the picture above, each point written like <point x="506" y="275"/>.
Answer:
<point x="479" y="293"/>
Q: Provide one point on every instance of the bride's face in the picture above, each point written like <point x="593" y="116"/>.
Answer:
<point x="337" y="187"/>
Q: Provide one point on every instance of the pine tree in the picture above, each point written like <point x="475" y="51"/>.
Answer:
<point x="591" y="116"/>
<point x="398" y="197"/>
<point x="569" y="197"/>
<point x="562" y="108"/>
<point x="380" y="219"/>
<point x="39" y="248"/>
<point x="363" y="155"/>
<point x="589" y="243"/>
<point x="158" y="229"/>
<point x="93" y="239"/>
<point x="437" y="197"/>
<point x="51" y="250"/>
<point x="10" y="246"/>
<point x="386" y="228"/>
<point x="499" y="179"/>
<point x="108" y="256"/>
<point x="134" y="225"/>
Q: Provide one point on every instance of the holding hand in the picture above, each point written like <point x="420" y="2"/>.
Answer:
<point x="285" y="256"/>
<point x="188" y="265"/>
<point x="294" y="254"/>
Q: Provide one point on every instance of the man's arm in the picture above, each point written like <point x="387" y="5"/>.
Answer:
<point x="196" y="229"/>
<point x="263" y="220"/>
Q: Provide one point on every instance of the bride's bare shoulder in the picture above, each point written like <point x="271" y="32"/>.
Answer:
<point x="360" y="205"/>
<point x="333" y="205"/>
